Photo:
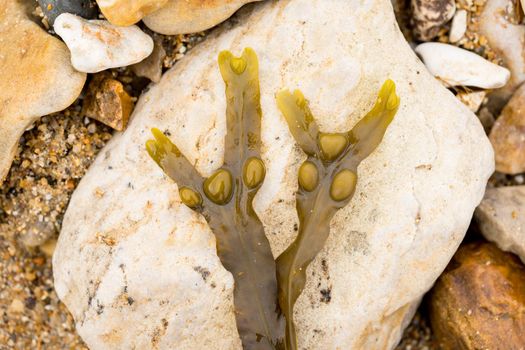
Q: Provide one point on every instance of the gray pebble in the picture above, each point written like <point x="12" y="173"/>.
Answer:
<point x="53" y="8"/>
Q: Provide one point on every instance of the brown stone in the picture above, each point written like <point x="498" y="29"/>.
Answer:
<point x="479" y="301"/>
<point x="108" y="102"/>
<point x="151" y="67"/>
<point x="508" y="135"/>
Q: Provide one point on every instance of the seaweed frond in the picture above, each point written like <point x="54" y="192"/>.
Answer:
<point x="327" y="182"/>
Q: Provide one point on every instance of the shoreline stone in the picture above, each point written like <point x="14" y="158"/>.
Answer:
<point x="128" y="12"/>
<point x="381" y="256"/>
<point x="97" y="45"/>
<point x="507" y="40"/>
<point x="429" y="15"/>
<point x="455" y="66"/>
<point x="191" y="16"/>
<point x="501" y="218"/>
<point x="508" y="135"/>
<point x="37" y="77"/>
<point x="479" y="301"/>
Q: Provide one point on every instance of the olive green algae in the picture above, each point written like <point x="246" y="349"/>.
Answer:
<point x="327" y="182"/>
<point x="225" y="199"/>
<point x="267" y="289"/>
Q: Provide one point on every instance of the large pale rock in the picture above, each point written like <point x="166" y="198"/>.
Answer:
<point x="507" y="39"/>
<point x="36" y="76"/>
<point x="190" y="16"/>
<point x="501" y="218"/>
<point x="126" y="234"/>
<point x="97" y="45"/>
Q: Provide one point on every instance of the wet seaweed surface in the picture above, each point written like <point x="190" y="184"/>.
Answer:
<point x="225" y="199"/>
<point x="327" y="182"/>
<point x="267" y="289"/>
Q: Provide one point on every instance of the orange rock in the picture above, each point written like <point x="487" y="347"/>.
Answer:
<point x="479" y="301"/>
<point x="508" y="135"/>
<point x="108" y="102"/>
<point x="128" y="12"/>
<point x="190" y="16"/>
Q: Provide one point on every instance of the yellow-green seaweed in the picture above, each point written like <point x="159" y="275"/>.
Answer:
<point x="225" y="200"/>
<point x="327" y="181"/>
<point x="267" y="289"/>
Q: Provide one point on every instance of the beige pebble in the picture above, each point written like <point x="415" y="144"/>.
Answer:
<point x="17" y="306"/>
<point x="128" y="12"/>
<point x="458" y="26"/>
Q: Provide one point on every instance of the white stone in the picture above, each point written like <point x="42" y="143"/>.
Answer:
<point x="125" y="233"/>
<point x="458" y="67"/>
<point x="458" y="26"/>
<point x="501" y="218"/>
<point x="97" y="45"/>
<point x="507" y="39"/>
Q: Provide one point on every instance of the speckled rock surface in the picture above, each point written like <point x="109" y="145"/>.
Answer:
<point x="191" y="16"/>
<point x="130" y="257"/>
<point x="108" y="102"/>
<point x="37" y="78"/>
<point x="479" y="302"/>
<point x="501" y="217"/>
<point x="429" y="15"/>
<point x="97" y="45"/>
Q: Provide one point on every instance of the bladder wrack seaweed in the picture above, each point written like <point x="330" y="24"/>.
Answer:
<point x="225" y="199"/>
<point x="267" y="289"/>
<point x="327" y="181"/>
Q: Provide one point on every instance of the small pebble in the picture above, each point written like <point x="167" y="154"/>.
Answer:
<point x="429" y="15"/>
<point x="501" y="217"/>
<point x="97" y="45"/>
<point x="458" y="67"/>
<point x="151" y="67"/>
<point x="17" y="306"/>
<point x="458" y="26"/>
<point x="506" y="38"/>
<point x="54" y="8"/>
<point x="508" y="135"/>
<point x="49" y="247"/>
<point x="472" y="100"/>
<point x="107" y="102"/>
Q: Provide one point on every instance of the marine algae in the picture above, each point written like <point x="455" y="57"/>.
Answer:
<point x="267" y="289"/>
<point x="327" y="182"/>
<point x="225" y="199"/>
